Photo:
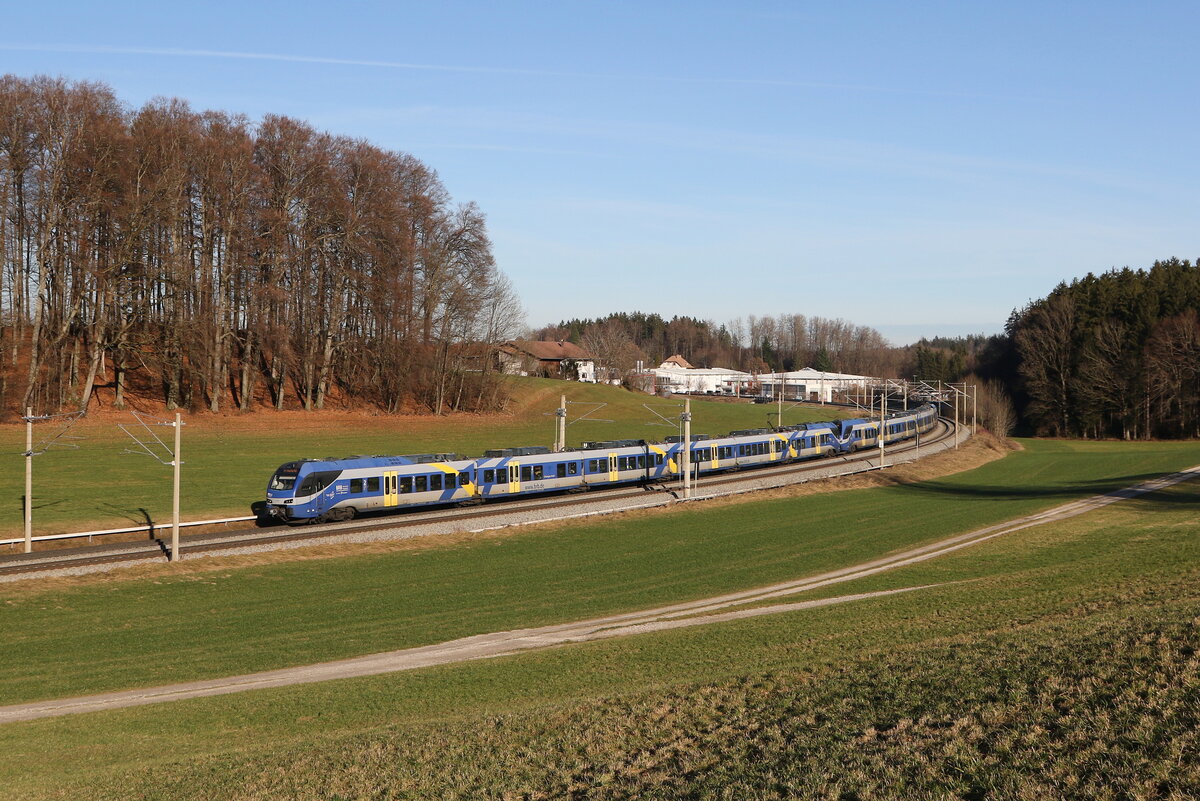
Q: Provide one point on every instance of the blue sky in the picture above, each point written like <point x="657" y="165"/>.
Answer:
<point x="923" y="168"/>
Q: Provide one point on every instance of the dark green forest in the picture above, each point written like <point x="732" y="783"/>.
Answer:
<point x="1110" y="355"/>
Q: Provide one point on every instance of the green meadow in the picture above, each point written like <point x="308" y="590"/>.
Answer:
<point x="1052" y="662"/>
<point x="228" y="459"/>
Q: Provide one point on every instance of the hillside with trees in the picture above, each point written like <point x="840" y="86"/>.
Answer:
<point x="198" y="259"/>
<point x="1113" y="355"/>
<point x="1110" y="355"/>
<point x="753" y="344"/>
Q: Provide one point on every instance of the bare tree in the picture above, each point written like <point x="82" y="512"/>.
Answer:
<point x="1047" y="356"/>
<point x="1173" y="371"/>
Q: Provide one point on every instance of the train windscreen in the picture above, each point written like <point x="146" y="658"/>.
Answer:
<point x="285" y="477"/>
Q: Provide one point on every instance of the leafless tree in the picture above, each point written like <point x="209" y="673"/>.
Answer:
<point x="1173" y="371"/>
<point x="1047" y="355"/>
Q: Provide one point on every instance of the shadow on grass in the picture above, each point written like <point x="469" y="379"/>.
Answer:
<point x="48" y="504"/>
<point x="1185" y="493"/>
<point x="137" y="516"/>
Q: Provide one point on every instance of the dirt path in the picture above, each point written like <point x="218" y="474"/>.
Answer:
<point x="482" y="646"/>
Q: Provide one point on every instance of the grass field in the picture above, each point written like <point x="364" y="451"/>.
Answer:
<point x="1054" y="662"/>
<point x="228" y="459"/>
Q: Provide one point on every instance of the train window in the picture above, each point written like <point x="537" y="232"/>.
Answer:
<point x="489" y="476"/>
<point x="526" y="474"/>
<point x="641" y="462"/>
<point x="464" y="479"/>
<point x="373" y="484"/>
<point x="284" y="478"/>
<point x="537" y="472"/>
<point x="593" y="466"/>
<point x="315" y="482"/>
<point x="573" y="468"/>
<point x="435" y="482"/>
<point x="420" y="483"/>
<point x="356" y="485"/>
<point x="658" y="458"/>
<point x="406" y="485"/>
<point x="561" y="470"/>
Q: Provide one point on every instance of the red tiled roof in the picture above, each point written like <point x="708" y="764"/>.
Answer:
<point x="679" y="360"/>
<point x="550" y="351"/>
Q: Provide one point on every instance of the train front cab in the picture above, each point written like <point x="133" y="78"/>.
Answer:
<point x="341" y="489"/>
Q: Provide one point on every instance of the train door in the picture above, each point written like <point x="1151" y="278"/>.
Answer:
<point x="514" y="478"/>
<point x="612" y="467"/>
<point x="391" y="495"/>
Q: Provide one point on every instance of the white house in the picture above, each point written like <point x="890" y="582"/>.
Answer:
<point x="810" y="384"/>
<point x="556" y="359"/>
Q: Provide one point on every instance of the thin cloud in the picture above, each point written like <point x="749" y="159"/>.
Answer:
<point x="234" y="54"/>
<point x="477" y="70"/>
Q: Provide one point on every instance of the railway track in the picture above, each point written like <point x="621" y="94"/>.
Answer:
<point x="404" y="523"/>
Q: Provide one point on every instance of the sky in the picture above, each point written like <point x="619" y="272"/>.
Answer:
<point x="921" y="168"/>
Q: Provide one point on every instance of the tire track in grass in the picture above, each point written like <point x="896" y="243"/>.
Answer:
<point x="504" y="643"/>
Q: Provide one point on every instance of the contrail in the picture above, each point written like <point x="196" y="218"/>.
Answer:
<point x="478" y="70"/>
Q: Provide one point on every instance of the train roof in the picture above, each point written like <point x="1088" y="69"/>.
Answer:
<point x="527" y="450"/>
<point x="612" y="443"/>
<point x="695" y="438"/>
<point x="344" y="462"/>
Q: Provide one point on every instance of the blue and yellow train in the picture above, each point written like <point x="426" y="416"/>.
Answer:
<point x="319" y="490"/>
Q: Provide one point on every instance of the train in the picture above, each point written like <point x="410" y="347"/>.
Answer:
<point x="327" y="490"/>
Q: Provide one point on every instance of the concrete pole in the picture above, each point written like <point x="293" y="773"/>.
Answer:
<point x="560" y="433"/>
<point x="904" y="389"/>
<point x="779" y="420"/>
<point x="955" y="419"/>
<point x="686" y="462"/>
<point x="28" y="479"/>
<point x="974" y="408"/>
<point x="882" y="422"/>
<point x="175" y="499"/>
